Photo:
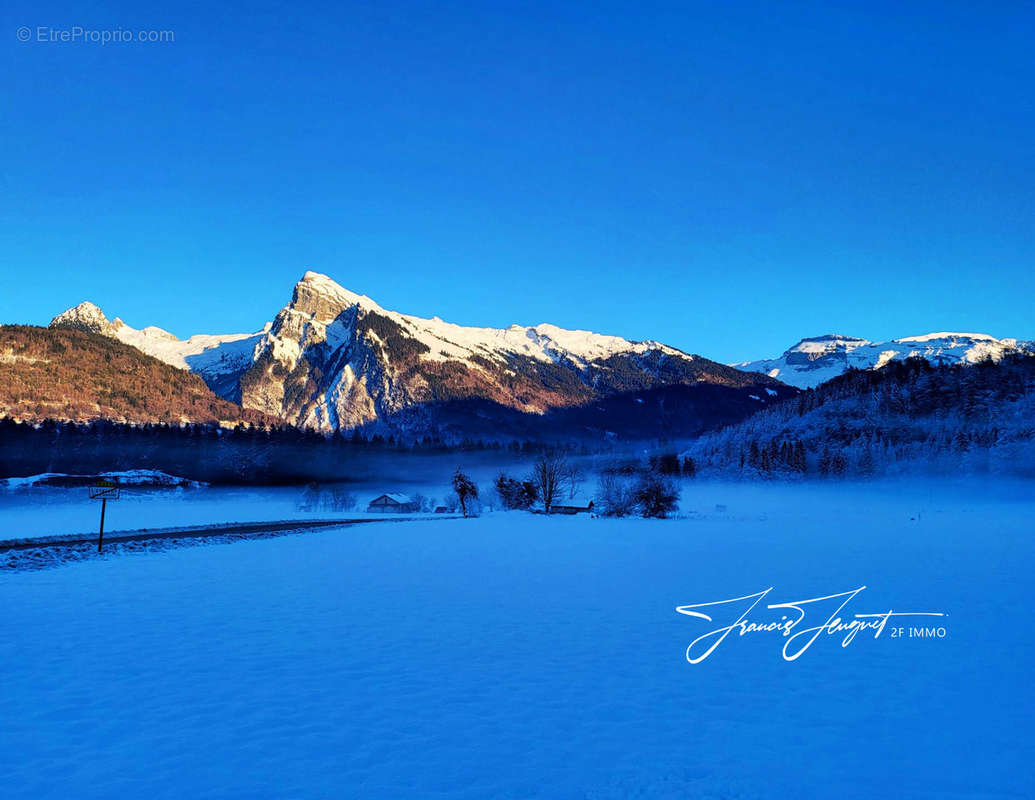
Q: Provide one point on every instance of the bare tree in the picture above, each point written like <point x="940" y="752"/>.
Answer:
<point x="310" y="497"/>
<point x="616" y="495"/>
<point x="547" y="475"/>
<point x="341" y="499"/>
<point x="573" y="477"/>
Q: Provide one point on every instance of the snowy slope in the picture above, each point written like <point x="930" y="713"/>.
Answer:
<point x="198" y="353"/>
<point x="812" y="361"/>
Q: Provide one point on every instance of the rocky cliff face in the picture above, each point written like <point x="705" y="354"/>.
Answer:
<point x="86" y="317"/>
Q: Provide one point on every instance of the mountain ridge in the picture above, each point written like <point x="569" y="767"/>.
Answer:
<point x="814" y="360"/>
<point x="334" y="359"/>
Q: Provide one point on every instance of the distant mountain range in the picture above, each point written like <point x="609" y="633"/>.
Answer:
<point x="332" y="359"/>
<point x="812" y="361"/>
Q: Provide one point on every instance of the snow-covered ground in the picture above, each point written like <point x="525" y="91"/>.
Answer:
<point x="517" y="656"/>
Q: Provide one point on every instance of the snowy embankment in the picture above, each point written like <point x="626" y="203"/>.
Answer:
<point x="135" y="478"/>
<point x="525" y="656"/>
<point x="55" y="551"/>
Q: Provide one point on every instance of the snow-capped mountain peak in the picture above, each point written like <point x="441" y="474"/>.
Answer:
<point x="315" y="285"/>
<point x="326" y="309"/>
<point x="813" y="348"/>
<point x="335" y="358"/>
<point x="84" y="317"/>
<point x="827" y="343"/>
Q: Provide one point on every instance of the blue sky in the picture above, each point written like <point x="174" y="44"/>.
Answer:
<point x="726" y="178"/>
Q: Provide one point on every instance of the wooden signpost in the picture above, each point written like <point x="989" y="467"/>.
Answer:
<point x="104" y="490"/>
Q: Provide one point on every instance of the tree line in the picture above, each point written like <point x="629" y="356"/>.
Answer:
<point x="622" y="489"/>
<point x="245" y="454"/>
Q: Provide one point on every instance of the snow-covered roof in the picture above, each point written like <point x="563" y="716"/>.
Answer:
<point x="397" y="497"/>
<point x="581" y="500"/>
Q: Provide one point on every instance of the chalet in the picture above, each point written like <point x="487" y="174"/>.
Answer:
<point x="393" y="503"/>
<point x="579" y="508"/>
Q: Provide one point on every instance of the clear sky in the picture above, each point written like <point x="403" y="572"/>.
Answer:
<point x="724" y="177"/>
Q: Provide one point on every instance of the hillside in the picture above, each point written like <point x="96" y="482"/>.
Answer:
<point x="908" y="416"/>
<point x="76" y="375"/>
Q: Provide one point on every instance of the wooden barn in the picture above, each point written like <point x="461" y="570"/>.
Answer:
<point x="392" y="503"/>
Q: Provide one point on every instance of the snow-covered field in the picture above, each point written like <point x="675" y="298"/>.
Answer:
<point x="517" y="656"/>
<point x="47" y="511"/>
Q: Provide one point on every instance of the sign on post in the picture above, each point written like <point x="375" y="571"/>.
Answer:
<point x="104" y="490"/>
